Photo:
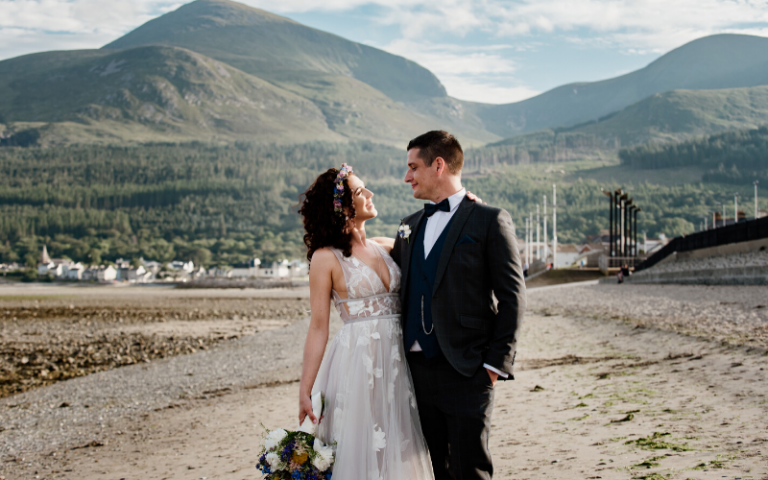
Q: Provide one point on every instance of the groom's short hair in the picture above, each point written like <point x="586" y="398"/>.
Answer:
<point x="439" y="143"/>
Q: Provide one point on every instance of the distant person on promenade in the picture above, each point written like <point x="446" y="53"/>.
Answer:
<point x="623" y="273"/>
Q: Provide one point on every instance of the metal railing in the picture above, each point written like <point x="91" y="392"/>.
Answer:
<point x="735" y="233"/>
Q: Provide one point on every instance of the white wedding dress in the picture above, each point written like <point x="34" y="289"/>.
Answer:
<point x="370" y="409"/>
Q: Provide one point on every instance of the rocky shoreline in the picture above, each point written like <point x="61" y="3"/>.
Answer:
<point x="589" y="354"/>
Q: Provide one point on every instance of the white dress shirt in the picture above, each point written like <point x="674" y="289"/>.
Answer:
<point x="434" y="228"/>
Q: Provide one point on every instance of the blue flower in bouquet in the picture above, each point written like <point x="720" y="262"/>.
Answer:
<point x="295" y="455"/>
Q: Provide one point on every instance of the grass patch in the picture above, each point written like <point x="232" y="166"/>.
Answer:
<point x="628" y="418"/>
<point x="650" y="463"/>
<point x="718" y="462"/>
<point x="654" y="476"/>
<point x="578" y="419"/>
<point x="654" y="442"/>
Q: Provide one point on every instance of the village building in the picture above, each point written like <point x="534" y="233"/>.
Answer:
<point x="567" y="254"/>
<point x="75" y="272"/>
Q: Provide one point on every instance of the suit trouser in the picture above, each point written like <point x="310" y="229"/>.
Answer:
<point x="455" y="414"/>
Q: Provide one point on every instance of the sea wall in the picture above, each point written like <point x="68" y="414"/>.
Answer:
<point x="735" y="264"/>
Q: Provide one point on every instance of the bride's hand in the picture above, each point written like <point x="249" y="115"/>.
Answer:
<point x="305" y="408"/>
<point x="474" y="197"/>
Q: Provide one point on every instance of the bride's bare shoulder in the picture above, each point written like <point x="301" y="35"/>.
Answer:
<point x="323" y="257"/>
<point x="386" y="242"/>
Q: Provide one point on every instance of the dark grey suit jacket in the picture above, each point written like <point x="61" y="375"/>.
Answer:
<point x="471" y="328"/>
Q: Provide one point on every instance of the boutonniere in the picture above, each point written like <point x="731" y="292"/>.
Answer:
<point x="404" y="232"/>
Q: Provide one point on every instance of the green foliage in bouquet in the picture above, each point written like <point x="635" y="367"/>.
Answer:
<point x="295" y="455"/>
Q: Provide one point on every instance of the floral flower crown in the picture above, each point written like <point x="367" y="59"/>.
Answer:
<point x="338" y="190"/>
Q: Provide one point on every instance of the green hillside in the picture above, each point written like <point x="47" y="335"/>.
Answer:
<point x="365" y="93"/>
<point x="219" y="70"/>
<point x="153" y="93"/>
<point x="272" y="47"/>
<point x="219" y="204"/>
<point x="714" y="62"/>
<point x="672" y="116"/>
<point x="737" y="157"/>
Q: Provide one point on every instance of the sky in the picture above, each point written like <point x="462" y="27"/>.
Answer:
<point x="491" y="51"/>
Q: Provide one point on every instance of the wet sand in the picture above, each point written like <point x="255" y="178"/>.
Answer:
<point x="599" y="394"/>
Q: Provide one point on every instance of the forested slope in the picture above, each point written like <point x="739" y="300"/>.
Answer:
<point x="221" y="204"/>
<point x="733" y="157"/>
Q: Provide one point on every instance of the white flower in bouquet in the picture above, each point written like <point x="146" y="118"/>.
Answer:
<point x="274" y="462"/>
<point x="274" y="438"/>
<point x="324" y="457"/>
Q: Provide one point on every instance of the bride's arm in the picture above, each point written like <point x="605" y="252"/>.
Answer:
<point x="320" y="283"/>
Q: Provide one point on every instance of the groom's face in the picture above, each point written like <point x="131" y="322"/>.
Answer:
<point x="423" y="179"/>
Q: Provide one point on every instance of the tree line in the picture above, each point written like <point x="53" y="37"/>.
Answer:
<point x="731" y="157"/>
<point x="223" y="204"/>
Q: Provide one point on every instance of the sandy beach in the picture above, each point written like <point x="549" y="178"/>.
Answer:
<point x="643" y="382"/>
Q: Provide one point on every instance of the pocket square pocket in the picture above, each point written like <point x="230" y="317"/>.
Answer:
<point x="467" y="240"/>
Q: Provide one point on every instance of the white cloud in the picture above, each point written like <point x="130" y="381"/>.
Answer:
<point x="475" y="73"/>
<point x="482" y="73"/>
<point x="476" y="89"/>
<point x="28" y="26"/>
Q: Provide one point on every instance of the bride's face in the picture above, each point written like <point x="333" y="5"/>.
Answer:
<point x="362" y="199"/>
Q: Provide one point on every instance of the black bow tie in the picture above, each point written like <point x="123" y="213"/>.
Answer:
<point x="431" y="208"/>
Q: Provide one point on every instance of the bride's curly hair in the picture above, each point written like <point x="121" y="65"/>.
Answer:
<point x="323" y="227"/>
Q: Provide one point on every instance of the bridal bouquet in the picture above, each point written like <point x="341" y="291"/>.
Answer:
<point x="297" y="455"/>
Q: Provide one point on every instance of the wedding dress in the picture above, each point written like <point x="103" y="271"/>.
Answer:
<point x="370" y="409"/>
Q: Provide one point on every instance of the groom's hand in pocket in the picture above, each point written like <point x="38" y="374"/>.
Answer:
<point x="494" y="376"/>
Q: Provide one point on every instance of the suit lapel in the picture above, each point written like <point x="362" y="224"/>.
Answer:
<point x="415" y="224"/>
<point x="454" y="229"/>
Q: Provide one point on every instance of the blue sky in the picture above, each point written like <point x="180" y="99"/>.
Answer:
<point x="493" y="51"/>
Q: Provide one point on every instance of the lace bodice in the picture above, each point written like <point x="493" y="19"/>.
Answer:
<point x="367" y="295"/>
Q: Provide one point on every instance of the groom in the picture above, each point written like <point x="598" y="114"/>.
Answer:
<point x="463" y="299"/>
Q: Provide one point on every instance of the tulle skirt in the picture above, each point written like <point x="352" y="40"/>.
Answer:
<point x="370" y="411"/>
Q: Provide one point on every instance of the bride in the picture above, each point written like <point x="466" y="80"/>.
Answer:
<point x="370" y="410"/>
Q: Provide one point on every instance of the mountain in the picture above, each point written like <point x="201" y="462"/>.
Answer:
<point x="275" y="48"/>
<point x="364" y="92"/>
<point x="153" y="93"/>
<point x="714" y="62"/>
<point x="669" y="116"/>
<point x="219" y="70"/>
<point x="286" y="83"/>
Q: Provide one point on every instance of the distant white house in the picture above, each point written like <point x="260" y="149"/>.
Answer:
<point x="75" y="272"/>
<point x="219" y="272"/>
<point x="298" y="268"/>
<point x="122" y="263"/>
<point x="247" y="269"/>
<point x="151" y="265"/>
<point x="58" y="267"/>
<point x="188" y="267"/>
<point x="99" y="274"/>
<point x="9" y="267"/>
<point x="280" y="269"/>
<point x="134" y="274"/>
<point x="106" y="274"/>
